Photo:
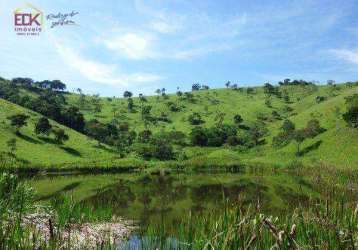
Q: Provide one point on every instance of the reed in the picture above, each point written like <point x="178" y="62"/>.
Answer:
<point x="321" y="226"/>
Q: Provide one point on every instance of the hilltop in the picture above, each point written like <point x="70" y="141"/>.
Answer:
<point x="121" y="125"/>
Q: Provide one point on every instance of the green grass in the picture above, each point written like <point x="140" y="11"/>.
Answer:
<point x="337" y="146"/>
<point x="45" y="152"/>
<point x="324" y="226"/>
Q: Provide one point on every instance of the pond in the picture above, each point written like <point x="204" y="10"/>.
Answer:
<point x="167" y="199"/>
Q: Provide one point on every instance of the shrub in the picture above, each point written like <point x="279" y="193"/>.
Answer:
<point x="144" y="150"/>
<point x="195" y="119"/>
<point x="60" y="135"/>
<point x="351" y="116"/>
<point x="144" y="136"/>
<point x="233" y="140"/>
<point x="43" y="126"/>
<point x="198" y="136"/>
<point x="173" y="107"/>
<point x="161" y="149"/>
<point x="18" y="121"/>
<point x="238" y="119"/>
<point x="320" y="99"/>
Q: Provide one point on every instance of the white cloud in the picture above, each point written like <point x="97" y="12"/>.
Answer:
<point x="190" y="53"/>
<point x="347" y="55"/>
<point x="131" y="45"/>
<point x="164" y="27"/>
<point x="100" y="72"/>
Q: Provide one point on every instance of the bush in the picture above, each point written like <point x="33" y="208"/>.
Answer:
<point x="144" y="136"/>
<point x="320" y="99"/>
<point x="43" y="126"/>
<point x="238" y="119"/>
<point x="199" y="137"/>
<point x="161" y="148"/>
<point x="233" y="140"/>
<point x="144" y="150"/>
<point x="351" y="116"/>
<point x="195" y="119"/>
<point x="173" y="107"/>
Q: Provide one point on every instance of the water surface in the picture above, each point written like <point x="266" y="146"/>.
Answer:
<point x="167" y="199"/>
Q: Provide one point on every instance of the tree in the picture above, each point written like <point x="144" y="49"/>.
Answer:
<point x="26" y="82"/>
<point x="268" y="103"/>
<point x="198" y="136"/>
<point x="158" y="92"/>
<point x="269" y="89"/>
<point x="227" y="84"/>
<point x="96" y="130"/>
<point x="161" y="149"/>
<point x="60" y="135"/>
<point x="313" y="128"/>
<point x="330" y="82"/>
<point x="351" y="116"/>
<point x="189" y="96"/>
<point x="205" y="87"/>
<point x="195" y="119"/>
<point x="142" y="100"/>
<point x="179" y="93"/>
<point x="43" y="126"/>
<point x="250" y="90"/>
<point x="73" y="118"/>
<point x="320" y="99"/>
<point x="127" y="94"/>
<point x="289" y="133"/>
<point x="286" y="98"/>
<point x="195" y="87"/>
<point x="233" y="140"/>
<point x="234" y="86"/>
<point x="299" y="136"/>
<point x="96" y="103"/>
<point x="288" y="127"/>
<point x="238" y="119"/>
<point x="130" y="104"/>
<point x="256" y="131"/>
<point x="18" y="121"/>
<point x="173" y="106"/>
<point x="144" y="136"/>
<point x="57" y="85"/>
<point x="146" y="112"/>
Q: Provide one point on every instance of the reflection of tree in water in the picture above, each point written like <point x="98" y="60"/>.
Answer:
<point x="118" y="196"/>
<point x="156" y="195"/>
<point x="217" y="194"/>
<point x="291" y="197"/>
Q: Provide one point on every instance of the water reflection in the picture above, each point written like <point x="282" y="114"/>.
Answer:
<point x="153" y="199"/>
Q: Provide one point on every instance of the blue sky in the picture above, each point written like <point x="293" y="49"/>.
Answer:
<point x="144" y="45"/>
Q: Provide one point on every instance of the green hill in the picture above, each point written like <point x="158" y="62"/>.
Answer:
<point x="336" y="146"/>
<point x="41" y="151"/>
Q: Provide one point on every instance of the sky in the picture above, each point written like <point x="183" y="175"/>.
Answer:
<point x="142" y="45"/>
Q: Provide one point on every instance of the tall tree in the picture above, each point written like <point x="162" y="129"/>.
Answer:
<point x="127" y="94"/>
<point x="43" y="126"/>
<point x="18" y="121"/>
<point x="60" y="135"/>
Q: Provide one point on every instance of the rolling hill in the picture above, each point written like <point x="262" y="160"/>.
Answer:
<point x="337" y="146"/>
<point x="40" y="151"/>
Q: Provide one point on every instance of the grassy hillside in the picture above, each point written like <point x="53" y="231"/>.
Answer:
<point x="44" y="151"/>
<point x="336" y="146"/>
